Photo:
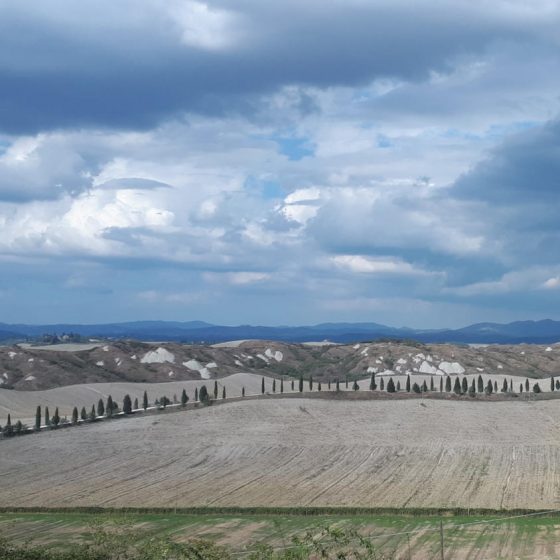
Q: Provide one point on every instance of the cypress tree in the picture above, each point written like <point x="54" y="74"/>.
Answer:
<point x="100" y="408"/>
<point x="318" y="386"/>
<point x="75" y="415"/>
<point x="224" y="392"/>
<point x="92" y="415"/>
<point x="472" y="389"/>
<point x="216" y="388"/>
<point x="489" y="389"/>
<point x="346" y="380"/>
<point x="495" y="386"/>
<point x="47" y="417"/>
<point x="504" y="386"/>
<point x="311" y="383"/>
<point x="301" y="383"/>
<point x="520" y="388"/>
<point x="83" y="414"/>
<point x="184" y="398"/>
<point x="536" y="388"/>
<point x="557" y="385"/>
<point x="382" y="384"/>
<point x="432" y="383"/>
<point x="510" y="386"/>
<point x="355" y="386"/>
<point x="136" y="403"/>
<point x="127" y="404"/>
<point x="274" y="385"/>
<point x="526" y="384"/>
<point x="262" y="386"/>
<point x="408" y="383"/>
<point x="329" y="383"/>
<point x="243" y="391"/>
<point x="8" y="430"/>
<point x="391" y="386"/>
<point x="337" y="385"/>
<point x="282" y="385"/>
<point x="145" y="400"/>
<point x="55" y="420"/>
<point x="480" y="384"/>
<point x="18" y="427"/>
<point x="441" y="384"/>
<point x="447" y="384"/>
<point x="38" y="418"/>
<point x="398" y="386"/>
<point x="196" y="394"/>
<point x="372" y="384"/>
<point x="457" y="386"/>
<point x="109" y="407"/>
<point x="551" y="383"/>
<point x="464" y="385"/>
<point x="416" y="388"/>
<point x="203" y="394"/>
<point x="424" y="387"/>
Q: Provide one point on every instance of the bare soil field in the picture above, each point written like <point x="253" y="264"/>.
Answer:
<point x="298" y="452"/>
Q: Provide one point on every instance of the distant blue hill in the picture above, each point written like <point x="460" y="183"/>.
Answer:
<point x="539" y="332"/>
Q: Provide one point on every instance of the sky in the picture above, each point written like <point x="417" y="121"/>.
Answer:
<point x="259" y="162"/>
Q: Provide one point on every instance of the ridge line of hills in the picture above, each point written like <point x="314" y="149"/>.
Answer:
<point x="537" y="332"/>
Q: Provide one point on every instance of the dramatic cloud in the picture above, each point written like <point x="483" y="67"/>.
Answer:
<point x="253" y="162"/>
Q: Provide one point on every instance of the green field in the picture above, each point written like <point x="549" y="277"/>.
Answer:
<point x="393" y="536"/>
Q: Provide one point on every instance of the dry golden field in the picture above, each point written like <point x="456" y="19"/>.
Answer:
<point x="297" y="452"/>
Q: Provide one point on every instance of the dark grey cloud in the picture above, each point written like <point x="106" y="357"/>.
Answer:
<point x="112" y="68"/>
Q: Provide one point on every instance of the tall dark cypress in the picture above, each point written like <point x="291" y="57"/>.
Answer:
<point x="372" y="384"/>
<point x="292" y="384"/>
<point x="480" y="384"/>
<point x="48" y="418"/>
<point x="38" y="418"/>
<point x="319" y="386"/>
<point x="274" y="385"/>
<point x="311" y="383"/>
<point x="447" y="384"/>
<point x="382" y="384"/>
<point x="92" y="414"/>
<point x="127" y="404"/>
<point x="262" y="385"/>
<point x="391" y="386"/>
<point x="196" y="394"/>
<point x="100" y="408"/>
<point x="464" y="385"/>
<point x="457" y="386"/>
<point x="184" y="398"/>
<point x="526" y="384"/>
<point x="109" y="407"/>
<point x="136" y="403"/>
<point x="75" y="415"/>
<point x="55" y="420"/>
<point x="282" y="385"/>
<point x="301" y="383"/>
<point x="431" y="383"/>
<point x="495" y="386"/>
<point x="243" y="391"/>
<point x="408" y="383"/>
<point x="504" y="386"/>
<point x="224" y="392"/>
<point x="145" y="400"/>
<point x="83" y="414"/>
<point x="337" y="385"/>
<point x="441" y="384"/>
<point x="216" y="389"/>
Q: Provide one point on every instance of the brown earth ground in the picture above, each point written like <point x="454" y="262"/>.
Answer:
<point x="298" y="452"/>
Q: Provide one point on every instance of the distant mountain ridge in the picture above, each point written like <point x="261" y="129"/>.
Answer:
<point x="545" y="331"/>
